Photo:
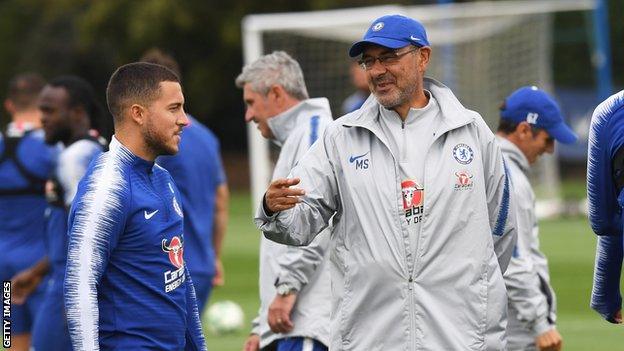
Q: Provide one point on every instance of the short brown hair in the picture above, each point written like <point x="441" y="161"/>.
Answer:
<point x="137" y="82"/>
<point x="24" y="90"/>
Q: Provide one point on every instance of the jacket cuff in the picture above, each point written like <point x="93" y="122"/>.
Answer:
<point x="285" y="278"/>
<point x="541" y="326"/>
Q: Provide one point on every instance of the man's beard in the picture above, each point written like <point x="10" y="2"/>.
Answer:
<point x="155" y="142"/>
<point x="397" y="98"/>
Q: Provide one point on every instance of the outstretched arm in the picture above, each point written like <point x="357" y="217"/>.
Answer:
<point x="296" y="209"/>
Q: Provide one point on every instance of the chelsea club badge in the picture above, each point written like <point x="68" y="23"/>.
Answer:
<point x="463" y="154"/>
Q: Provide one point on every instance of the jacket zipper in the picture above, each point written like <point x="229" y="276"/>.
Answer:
<point x="410" y="265"/>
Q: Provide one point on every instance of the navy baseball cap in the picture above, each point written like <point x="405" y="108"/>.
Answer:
<point x="392" y="31"/>
<point x="535" y="106"/>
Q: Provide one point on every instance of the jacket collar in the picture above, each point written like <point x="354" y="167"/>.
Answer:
<point x="511" y="151"/>
<point x="453" y="114"/>
<point x="284" y="123"/>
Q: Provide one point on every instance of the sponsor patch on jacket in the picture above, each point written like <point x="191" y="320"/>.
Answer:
<point x="464" y="181"/>
<point x="463" y="154"/>
<point x="413" y="199"/>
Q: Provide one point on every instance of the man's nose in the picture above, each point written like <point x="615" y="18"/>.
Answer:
<point x="249" y="115"/>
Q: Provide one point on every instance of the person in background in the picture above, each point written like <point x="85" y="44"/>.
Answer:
<point x="294" y="282"/>
<point x="69" y="111"/>
<point x="358" y="79"/>
<point x="26" y="162"/>
<point x="530" y="122"/>
<point x="198" y="172"/>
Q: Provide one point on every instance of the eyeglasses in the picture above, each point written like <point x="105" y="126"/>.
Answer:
<point x="386" y="59"/>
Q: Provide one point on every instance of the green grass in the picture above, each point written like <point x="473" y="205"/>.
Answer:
<point x="568" y="243"/>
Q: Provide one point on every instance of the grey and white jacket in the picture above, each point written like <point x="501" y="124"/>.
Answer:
<point x="447" y="293"/>
<point x="303" y="268"/>
<point x="531" y="297"/>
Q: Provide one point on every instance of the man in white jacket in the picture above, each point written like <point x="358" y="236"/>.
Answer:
<point x="423" y="218"/>
<point x="530" y="123"/>
<point x="294" y="282"/>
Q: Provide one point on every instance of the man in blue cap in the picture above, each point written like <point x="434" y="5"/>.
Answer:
<point x="423" y="220"/>
<point x="530" y="123"/>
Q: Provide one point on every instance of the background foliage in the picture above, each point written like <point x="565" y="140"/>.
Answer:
<point x="92" y="38"/>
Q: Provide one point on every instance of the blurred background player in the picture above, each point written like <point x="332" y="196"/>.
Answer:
<point x="294" y="281"/>
<point x="198" y="172"/>
<point x="358" y="79"/>
<point x="26" y="162"/>
<point x="605" y="185"/>
<point x="69" y="110"/>
<point x="126" y="284"/>
<point x="530" y="123"/>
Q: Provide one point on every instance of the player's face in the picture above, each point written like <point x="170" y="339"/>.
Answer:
<point x="540" y="143"/>
<point x="55" y="114"/>
<point x="259" y="108"/>
<point x="165" y="119"/>
<point x="395" y="82"/>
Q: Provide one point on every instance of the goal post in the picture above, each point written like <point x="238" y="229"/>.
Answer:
<point x="497" y="46"/>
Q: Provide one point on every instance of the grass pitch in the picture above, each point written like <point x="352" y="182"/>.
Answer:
<point x="568" y="243"/>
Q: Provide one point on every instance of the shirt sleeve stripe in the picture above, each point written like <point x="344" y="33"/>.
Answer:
<point x="97" y="213"/>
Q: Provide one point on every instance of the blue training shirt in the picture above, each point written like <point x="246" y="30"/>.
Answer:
<point x="198" y="172"/>
<point x="606" y="137"/>
<point x="126" y="284"/>
<point x="22" y="215"/>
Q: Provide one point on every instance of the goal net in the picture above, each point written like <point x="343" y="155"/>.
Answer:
<point x="481" y="50"/>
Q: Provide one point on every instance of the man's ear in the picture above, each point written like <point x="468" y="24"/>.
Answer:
<point x="524" y="130"/>
<point x="425" y="54"/>
<point x="138" y="114"/>
<point x="276" y="92"/>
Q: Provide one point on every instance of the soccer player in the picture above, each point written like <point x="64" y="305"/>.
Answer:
<point x="530" y="123"/>
<point x="69" y="110"/>
<point x="424" y="225"/>
<point x="605" y="184"/>
<point x="294" y="282"/>
<point x="126" y="284"/>
<point x="198" y="172"/>
<point x="26" y="162"/>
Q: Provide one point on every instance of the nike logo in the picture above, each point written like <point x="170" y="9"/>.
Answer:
<point x="414" y="38"/>
<point x="149" y="215"/>
<point x="353" y="158"/>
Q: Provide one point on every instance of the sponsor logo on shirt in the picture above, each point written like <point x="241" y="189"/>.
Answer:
<point x="175" y="251"/>
<point x="413" y="199"/>
<point x="463" y="154"/>
<point x="464" y="180"/>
